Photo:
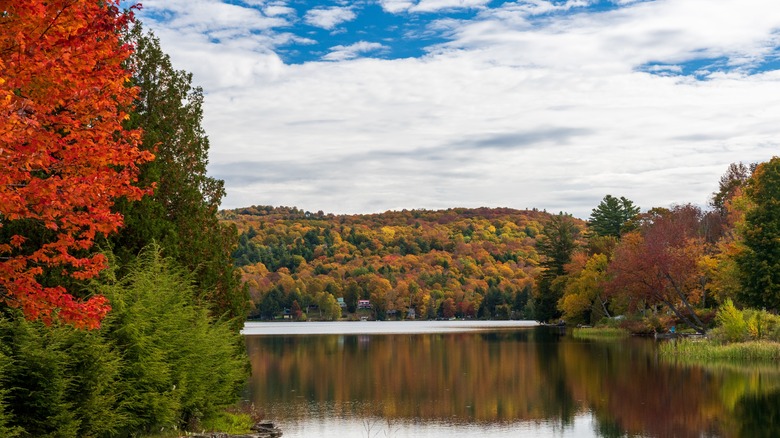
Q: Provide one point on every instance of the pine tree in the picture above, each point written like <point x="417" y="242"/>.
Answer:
<point x="611" y="216"/>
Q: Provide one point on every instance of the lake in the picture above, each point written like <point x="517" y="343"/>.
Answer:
<point x="496" y="379"/>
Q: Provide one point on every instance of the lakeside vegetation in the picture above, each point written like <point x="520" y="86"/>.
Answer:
<point x="741" y="336"/>
<point x="699" y="350"/>
<point x="600" y="333"/>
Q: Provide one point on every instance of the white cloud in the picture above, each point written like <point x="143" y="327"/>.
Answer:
<point x="518" y="109"/>
<point x="396" y="6"/>
<point x="667" y="32"/>
<point x="223" y="45"/>
<point x="276" y="10"/>
<point x="438" y="5"/>
<point x="538" y="7"/>
<point x="205" y="15"/>
<point x="329" y="18"/>
<point x="352" y="51"/>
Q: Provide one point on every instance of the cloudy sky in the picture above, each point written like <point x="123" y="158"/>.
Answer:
<point x="372" y="105"/>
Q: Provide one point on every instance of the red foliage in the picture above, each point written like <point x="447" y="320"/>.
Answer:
<point x="65" y="156"/>
<point x="660" y="264"/>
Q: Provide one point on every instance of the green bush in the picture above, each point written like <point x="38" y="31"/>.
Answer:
<point x="762" y="324"/>
<point x="6" y="430"/>
<point x="159" y="362"/>
<point x="229" y="422"/>
<point x="179" y="365"/>
<point x="59" y="381"/>
<point x="733" y="327"/>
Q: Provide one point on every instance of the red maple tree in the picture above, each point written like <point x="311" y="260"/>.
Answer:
<point x="64" y="154"/>
<point x="659" y="264"/>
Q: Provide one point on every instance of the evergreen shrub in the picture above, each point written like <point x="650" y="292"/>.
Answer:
<point x="159" y="362"/>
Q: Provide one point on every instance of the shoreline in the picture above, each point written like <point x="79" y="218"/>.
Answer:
<point x="378" y="327"/>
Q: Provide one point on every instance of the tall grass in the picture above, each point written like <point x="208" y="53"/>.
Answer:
<point x="599" y="333"/>
<point x="229" y="422"/>
<point x="702" y="350"/>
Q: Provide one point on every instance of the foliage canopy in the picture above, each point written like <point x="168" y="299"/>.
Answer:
<point x="65" y="155"/>
<point x="759" y="263"/>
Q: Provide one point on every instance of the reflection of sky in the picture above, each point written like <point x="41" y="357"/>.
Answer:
<point x="583" y="426"/>
<point x="370" y="327"/>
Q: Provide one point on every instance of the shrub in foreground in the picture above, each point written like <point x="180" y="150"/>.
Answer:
<point x="159" y="362"/>
<point x="179" y="366"/>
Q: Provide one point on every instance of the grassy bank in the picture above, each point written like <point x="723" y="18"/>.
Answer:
<point x="599" y="333"/>
<point x="232" y="421"/>
<point x="703" y="350"/>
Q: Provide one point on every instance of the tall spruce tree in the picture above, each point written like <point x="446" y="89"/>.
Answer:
<point x="181" y="214"/>
<point x="612" y="215"/>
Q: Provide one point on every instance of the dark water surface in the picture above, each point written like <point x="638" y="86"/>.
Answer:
<point x="502" y="383"/>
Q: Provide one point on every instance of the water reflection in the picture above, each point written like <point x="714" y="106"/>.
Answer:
<point x="504" y="380"/>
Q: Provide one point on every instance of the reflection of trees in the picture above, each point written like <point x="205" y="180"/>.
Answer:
<point x="759" y="415"/>
<point x="749" y="395"/>
<point x="510" y="376"/>
<point x="627" y="390"/>
<point x="630" y="393"/>
<point x="554" y="395"/>
<point x="460" y="377"/>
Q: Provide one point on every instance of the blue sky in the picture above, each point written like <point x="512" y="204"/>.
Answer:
<point x="372" y="105"/>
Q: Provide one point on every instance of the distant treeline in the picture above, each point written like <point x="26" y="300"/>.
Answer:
<point x="477" y="263"/>
<point x="657" y="269"/>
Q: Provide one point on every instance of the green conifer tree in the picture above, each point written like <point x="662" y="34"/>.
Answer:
<point x="181" y="214"/>
<point x="612" y="216"/>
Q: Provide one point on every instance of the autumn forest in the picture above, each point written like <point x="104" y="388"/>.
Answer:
<point x="123" y="286"/>
<point x="662" y="267"/>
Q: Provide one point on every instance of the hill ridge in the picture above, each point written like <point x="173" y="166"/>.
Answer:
<point x="457" y="262"/>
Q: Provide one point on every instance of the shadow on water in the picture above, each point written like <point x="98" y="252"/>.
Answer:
<point x="759" y="415"/>
<point x="530" y="375"/>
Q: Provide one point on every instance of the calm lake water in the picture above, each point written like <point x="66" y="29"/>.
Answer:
<point x="457" y="379"/>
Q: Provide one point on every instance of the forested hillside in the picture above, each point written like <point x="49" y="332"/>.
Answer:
<point x="478" y="263"/>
